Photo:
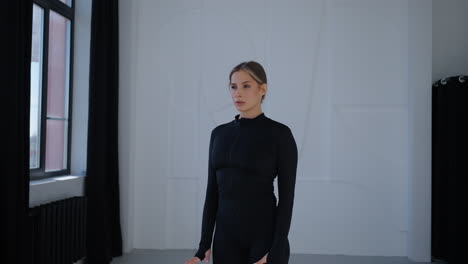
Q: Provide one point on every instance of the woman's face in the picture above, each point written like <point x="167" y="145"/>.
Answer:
<point x="246" y="93"/>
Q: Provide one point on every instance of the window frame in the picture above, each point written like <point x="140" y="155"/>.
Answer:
<point x="69" y="13"/>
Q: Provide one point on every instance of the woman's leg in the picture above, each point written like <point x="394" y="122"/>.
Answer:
<point x="227" y="248"/>
<point x="260" y="246"/>
<point x="261" y="229"/>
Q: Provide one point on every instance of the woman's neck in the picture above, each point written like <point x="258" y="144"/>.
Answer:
<point x="250" y="114"/>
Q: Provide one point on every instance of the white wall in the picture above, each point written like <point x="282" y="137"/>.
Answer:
<point x="128" y="63"/>
<point x="449" y="39"/>
<point x="419" y="118"/>
<point x="81" y="86"/>
<point x="338" y="75"/>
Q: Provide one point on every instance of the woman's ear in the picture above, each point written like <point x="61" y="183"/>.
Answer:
<point x="264" y="87"/>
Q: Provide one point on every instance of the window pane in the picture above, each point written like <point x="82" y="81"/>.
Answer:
<point x="56" y="145"/>
<point x="57" y="82"/>
<point x="36" y="86"/>
<point x="57" y="92"/>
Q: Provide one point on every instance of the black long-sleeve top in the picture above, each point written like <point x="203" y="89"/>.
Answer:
<point x="245" y="156"/>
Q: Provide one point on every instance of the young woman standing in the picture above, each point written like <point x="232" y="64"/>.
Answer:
<point x="245" y="156"/>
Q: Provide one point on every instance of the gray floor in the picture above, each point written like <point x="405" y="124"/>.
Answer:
<point x="144" y="256"/>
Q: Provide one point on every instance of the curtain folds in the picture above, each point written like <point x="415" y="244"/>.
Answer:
<point x="449" y="169"/>
<point x="16" y="31"/>
<point x="104" y="239"/>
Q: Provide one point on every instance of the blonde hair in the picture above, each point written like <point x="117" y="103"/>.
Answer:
<point x="254" y="69"/>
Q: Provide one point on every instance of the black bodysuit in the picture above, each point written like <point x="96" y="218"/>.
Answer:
<point x="245" y="155"/>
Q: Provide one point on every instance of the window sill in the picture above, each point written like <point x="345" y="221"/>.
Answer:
<point x="55" y="188"/>
<point x="54" y="179"/>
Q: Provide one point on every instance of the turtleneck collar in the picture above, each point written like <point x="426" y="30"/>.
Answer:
<point x="245" y="120"/>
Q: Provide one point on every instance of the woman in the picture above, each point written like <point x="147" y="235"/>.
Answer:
<point x="245" y="156"/>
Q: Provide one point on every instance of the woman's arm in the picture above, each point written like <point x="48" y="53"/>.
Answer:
<point x="287" y="166"/>
<point x="210" y="207"/>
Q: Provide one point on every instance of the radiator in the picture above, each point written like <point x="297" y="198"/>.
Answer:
<point x="58" y="231"/>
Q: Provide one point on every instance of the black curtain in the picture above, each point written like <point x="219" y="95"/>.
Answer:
<point x="104" y="240"/>
<point x="16" y="30"/>
<point x="449" y="169"/>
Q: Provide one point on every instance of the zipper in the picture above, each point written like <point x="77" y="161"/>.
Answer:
<point x="232" y="145"/>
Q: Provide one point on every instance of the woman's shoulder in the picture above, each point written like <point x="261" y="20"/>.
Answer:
<point x="283" y="136"/>
<point x="219" y="128"/>
<point x="279" y="127"/>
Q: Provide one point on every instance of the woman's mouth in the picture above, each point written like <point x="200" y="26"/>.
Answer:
<point x="239" y="103"/>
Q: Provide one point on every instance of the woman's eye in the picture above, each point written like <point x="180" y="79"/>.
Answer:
<point x="246" y="86"/>
<point x="233" y="87"/>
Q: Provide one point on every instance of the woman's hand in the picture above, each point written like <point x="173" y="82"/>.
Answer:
<point x="194" y="260"/>
<point x="263" y="260"/>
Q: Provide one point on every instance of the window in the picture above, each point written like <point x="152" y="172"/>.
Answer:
<point x="51" y="88"/>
